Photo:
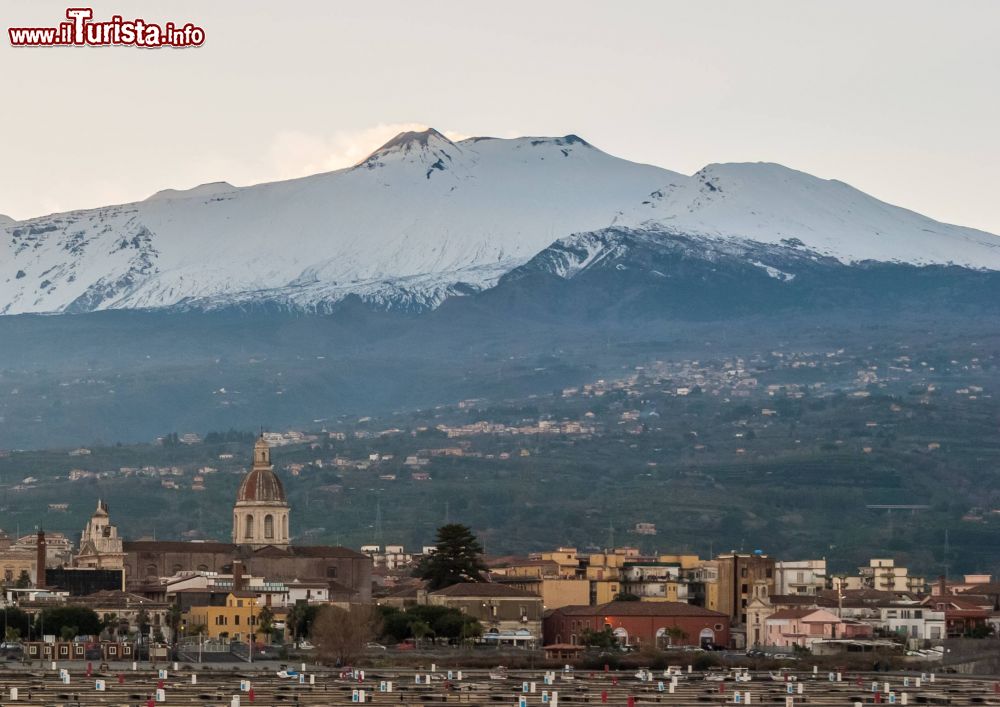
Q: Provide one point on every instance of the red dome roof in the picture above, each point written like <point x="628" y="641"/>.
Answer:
<point x="261" y="486"/>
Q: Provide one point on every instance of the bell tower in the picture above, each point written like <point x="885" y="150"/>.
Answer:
<point x="260" y="516"/>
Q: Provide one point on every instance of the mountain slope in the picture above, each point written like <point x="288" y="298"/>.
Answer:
<point x="423" y="219"/>
<point x="769" y="203"/>
<point x="418" y="220"/>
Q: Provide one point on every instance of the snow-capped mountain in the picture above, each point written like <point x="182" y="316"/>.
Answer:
<point x="424" y="218"/>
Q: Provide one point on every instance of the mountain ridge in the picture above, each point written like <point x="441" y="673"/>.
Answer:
<point x="423" y="219"/>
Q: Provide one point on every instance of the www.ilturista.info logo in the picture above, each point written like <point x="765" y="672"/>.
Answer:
<point x="82" y="31"/>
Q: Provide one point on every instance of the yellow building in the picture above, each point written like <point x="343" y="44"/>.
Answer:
<point x="237" y="619"/>
<point x="549" y="579"/>
<point x="566" y="560"/>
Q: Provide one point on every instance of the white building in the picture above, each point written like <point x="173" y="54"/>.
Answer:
<point x="799" y="576"/>
<point x="913" y="622"/>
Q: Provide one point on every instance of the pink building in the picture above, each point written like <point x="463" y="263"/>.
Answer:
<point x="804" y="627"/>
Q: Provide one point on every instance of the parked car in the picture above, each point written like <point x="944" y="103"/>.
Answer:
<point x="374" y="646"/>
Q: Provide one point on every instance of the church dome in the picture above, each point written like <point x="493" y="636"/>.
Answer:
<point x="261" y="486"/>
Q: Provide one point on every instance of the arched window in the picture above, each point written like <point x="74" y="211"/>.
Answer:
<point x="152" y="571"/>
<point x="269" y="526"/>
<point x="177" y="569"/>
<point x="248" y="527"/>
<point x="284" y="527"/>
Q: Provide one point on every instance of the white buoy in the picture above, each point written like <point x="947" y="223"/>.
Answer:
<point x="904" y="699"/>
<point x="554" y="699"/>
<point x="161" y="695"/>
<point x="135" y="666"/>
<point x="746" y="697"/>
<point x="99" y="685"/>
<point x="13" y="694"/>
<point x="312" y="679"/>
<point x="235" y="702"/>
<point x="194" y="679"/>
<point x="459" y="674"/>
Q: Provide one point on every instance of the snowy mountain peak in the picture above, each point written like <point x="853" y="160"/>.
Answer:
<point x="773" y="204"/>
<point x="6" y="220"/>
<point x="202" y="190"/>
<point x="424" y="218"/>
<point x="428" y="148"/>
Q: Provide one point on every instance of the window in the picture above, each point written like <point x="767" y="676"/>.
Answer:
<point x="248" y="528"/>
<point x="236" y="620"/>
<point x="331" y="572"/>
<point x="269" y="526"/>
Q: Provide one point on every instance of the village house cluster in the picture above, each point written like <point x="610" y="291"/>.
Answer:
<point x="224" y="596"/>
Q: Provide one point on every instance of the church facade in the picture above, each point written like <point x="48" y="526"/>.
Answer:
<point x="260" y="540"/>
<point x="100" y="546"/>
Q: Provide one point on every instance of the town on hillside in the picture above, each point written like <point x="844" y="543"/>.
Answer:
<point x="263" y="594"/>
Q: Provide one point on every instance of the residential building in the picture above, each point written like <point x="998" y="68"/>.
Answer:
<point x="788" y="628"/>
<point x="799" y="576"/>
<point x="236" y="619"/>
<point x="884" y="575"/>
<point x="737" y="574"/>
<point x="915" y="623"/>
<point x="507" y="615"/>
<point x="639" y="623"/>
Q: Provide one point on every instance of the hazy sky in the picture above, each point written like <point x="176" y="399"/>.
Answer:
<point x="899" y="98"/>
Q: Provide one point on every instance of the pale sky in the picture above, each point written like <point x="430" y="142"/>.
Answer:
<point x="898" y="98"/>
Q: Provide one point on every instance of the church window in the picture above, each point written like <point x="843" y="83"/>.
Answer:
<point x="152" y="571"/>
<point x="284" y="527"/>
<point x="268" y="526"/>
<point x="177" y="569"/>
<point x="248" y="529"/>
<point x="331" y="572"/>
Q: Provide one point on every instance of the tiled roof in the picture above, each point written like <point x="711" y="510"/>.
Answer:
<point x="482" y="589"/>
<point x="640" y="608"/>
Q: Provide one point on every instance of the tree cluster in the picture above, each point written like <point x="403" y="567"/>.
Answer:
<point x="428" y="622"/>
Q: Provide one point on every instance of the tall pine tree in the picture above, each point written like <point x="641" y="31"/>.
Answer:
<point x="457" y="557"/>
